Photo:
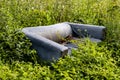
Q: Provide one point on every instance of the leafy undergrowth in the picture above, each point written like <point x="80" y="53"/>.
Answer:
<point x="90" y="61"/>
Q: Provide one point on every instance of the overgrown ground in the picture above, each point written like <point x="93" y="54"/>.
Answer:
<point x="90" y="62"/>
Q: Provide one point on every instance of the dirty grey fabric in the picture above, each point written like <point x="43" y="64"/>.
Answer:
<point x="91" y="31"/>
<point x="55" y="32"/>
<point x="47" y="49"/>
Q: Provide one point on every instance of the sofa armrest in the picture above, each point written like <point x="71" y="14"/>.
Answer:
<point x="84" y="30"/>
<point x="47" y="49"/>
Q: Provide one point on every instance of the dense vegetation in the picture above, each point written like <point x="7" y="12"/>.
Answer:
<point x="90" y="62"/>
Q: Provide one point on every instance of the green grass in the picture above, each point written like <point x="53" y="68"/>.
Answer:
<point x="90" y="62"/>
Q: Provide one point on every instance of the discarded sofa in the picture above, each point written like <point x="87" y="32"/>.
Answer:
<point x="45" y="39"/>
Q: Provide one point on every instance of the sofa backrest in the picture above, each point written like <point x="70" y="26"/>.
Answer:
<point x="55" y="32"/>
